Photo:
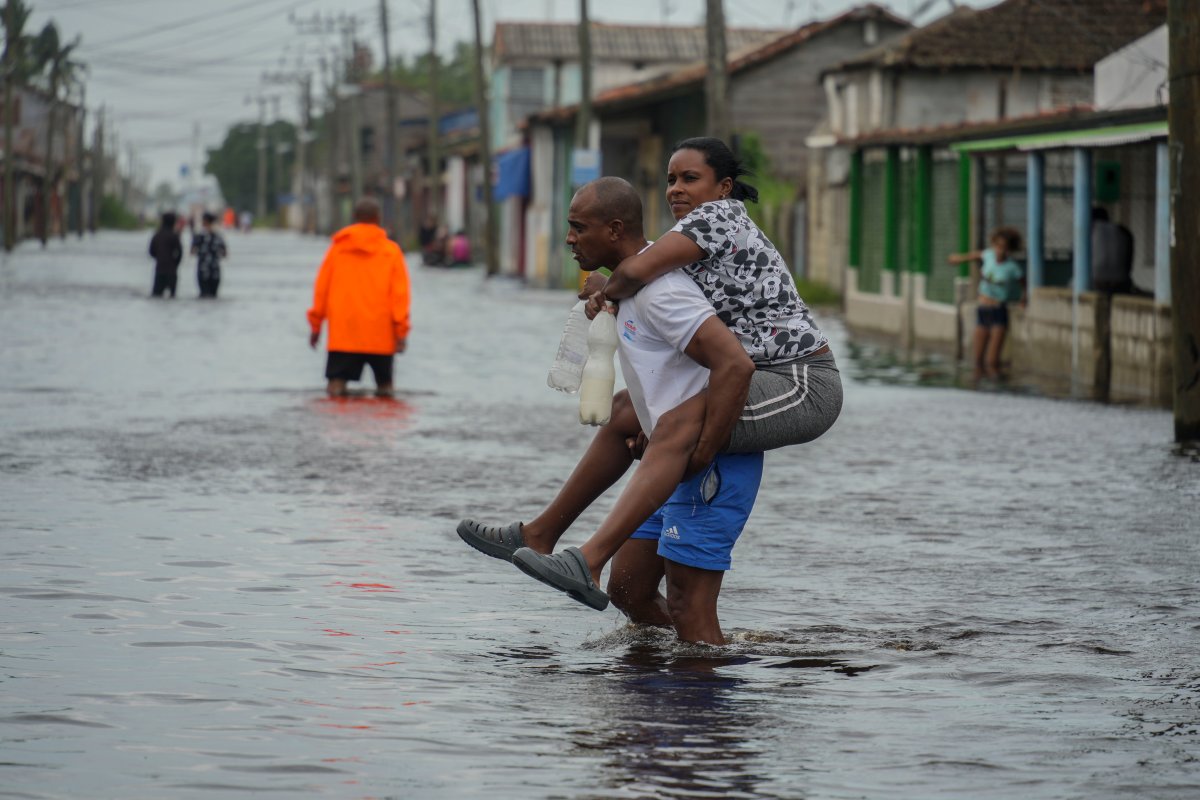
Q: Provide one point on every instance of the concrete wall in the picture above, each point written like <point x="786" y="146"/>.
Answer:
<point x="1040" y="340"/>
<point x="1041" y="335"/>
<point x="828" y="216"/>
<point x="1136" y="75"/>
<point x="870" y="100"/>
<point x="783" y="99"/>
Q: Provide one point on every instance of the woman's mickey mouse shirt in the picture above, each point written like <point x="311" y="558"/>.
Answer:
<point x="749" y="286"/>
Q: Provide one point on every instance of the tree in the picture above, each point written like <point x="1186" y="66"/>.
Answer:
<point x="456" y="76"/>
<point x="234" y="164"/>
<point x="61" y="74"/>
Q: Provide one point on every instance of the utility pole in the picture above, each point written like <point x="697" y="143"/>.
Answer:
<point x="583" y="121"/>
<point x="97" y="173"/>
<point x="352" y="78"/>
<point x="434" y="152"/>
<point x="333" y="124"/>
<point x="127" y="182"/>
<point x="81" y="187"/>
<point x="302" y="137"/>
<point x="10" y="63"/>
<point x="1183" y="27"/>
<point x="260" y="197"/>
<point x="298" y="184"/>
<point x="485" y="150"/>
<point x="389" y="133"/>
<point x="278" y="146"/>
<point x="716" y="80"/>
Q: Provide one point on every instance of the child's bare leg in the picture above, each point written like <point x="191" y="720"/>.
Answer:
<point x="657" y="476"/>
<point x="692" y="600"/>
<point x="995" y="345"/>
<point x="978" y="346"/>
<point x="605" y="461"/>
<point x="637" y="570"/>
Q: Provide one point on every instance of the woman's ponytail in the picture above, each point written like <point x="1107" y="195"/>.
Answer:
<point x="744" y="192"/>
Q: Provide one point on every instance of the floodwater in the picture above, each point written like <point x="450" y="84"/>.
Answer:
<point x="218" y="583"/>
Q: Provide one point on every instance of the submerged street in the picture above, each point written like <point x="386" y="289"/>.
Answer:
<point x="218" y="582"/>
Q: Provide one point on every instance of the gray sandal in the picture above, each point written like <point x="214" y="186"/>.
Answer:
<point x="494" y="541"/>
<point x="566" y="571"/>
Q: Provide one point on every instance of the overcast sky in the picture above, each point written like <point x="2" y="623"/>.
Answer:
<point x="160" y="67"/>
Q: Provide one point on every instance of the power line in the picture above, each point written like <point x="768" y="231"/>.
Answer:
<point x="206" y="16"/>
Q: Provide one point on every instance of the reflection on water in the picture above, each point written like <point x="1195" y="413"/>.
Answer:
<point x="219" y="582"/>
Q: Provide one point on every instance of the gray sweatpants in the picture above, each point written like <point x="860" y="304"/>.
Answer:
<point x="789" y="403"/>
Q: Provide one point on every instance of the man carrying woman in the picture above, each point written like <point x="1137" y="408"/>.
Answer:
<point x="794" y="393"/>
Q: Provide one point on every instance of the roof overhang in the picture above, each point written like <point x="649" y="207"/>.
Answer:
<point x="1111" y="136"/>
<point x="1065" y="128"/>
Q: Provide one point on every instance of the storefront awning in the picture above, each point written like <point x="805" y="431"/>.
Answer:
<point x="1111" y="136"/>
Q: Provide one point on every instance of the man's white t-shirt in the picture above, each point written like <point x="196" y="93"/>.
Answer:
<point x="653" y="327"/>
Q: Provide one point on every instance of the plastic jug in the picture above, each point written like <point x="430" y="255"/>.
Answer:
<point x="599" y="374"/>
<point x="567" y="370"/>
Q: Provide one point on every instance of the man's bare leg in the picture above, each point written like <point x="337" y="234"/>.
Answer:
<point x="657" y="476"/>
<point x="637" y="570"/>
<point x="692" y="601"/>
<point x="336" y="387"/>
<point x="385" y="390"/>
<point x="603" y="463"/>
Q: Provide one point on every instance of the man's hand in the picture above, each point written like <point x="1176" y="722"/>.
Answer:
<point x="595" y="283"/>
<point x="637" y="445"/>
<point x="702" y="456"/>
<point x="401" y="345"/>
<point x="313" y="338"/>
<point x="597" y="302"/>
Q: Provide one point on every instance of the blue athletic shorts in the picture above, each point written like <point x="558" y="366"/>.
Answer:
<point x="701" y="521"/>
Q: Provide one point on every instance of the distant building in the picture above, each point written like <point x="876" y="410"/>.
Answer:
<point x="33" y="172"/>
<point x="535" y="65"/>
<point x="774" y="95"/>
<point x="1025" y="115"/>
<point x="1014" y="60"/>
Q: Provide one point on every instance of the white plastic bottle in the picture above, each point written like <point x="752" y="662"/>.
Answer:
<point x="599" y="375"/>
<point x="567" y="370"/>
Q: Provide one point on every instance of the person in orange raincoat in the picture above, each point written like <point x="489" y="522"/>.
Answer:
<point x="362" y="290"/>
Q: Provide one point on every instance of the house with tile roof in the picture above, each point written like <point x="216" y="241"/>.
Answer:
<point x="774" y="94"/>
<point x="933" y="141"/>
<point x="535" y="65"/>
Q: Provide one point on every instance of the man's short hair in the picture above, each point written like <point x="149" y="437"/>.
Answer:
<point x="367" y="210"/>
<point x="615" y="198"/>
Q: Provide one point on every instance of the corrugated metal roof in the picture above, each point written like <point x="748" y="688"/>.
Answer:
<point x="1110" y="136"/>
<point x="647" y="43"/>
<point x="1053" y="128"/>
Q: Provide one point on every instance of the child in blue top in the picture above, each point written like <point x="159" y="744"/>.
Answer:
<point x="1001" y="282"/>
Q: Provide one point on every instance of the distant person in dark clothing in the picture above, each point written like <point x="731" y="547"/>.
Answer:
<point x="167" y="251"/>
<point x="209" y="248"/>
<point x="1112" y="255"/>
<point x="432" y="238"/>
<point x="427" y="231"/>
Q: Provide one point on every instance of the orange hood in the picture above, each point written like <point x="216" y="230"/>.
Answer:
<point x="361" y="237"/>
<point x="362" y="291"/>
